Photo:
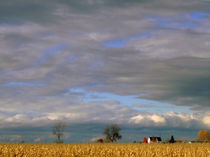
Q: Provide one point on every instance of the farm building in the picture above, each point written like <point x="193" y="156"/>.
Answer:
<point x="154" y="139"/>
<point x="144" y="140"/>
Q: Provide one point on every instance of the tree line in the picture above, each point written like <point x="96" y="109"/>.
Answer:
<point x="111" y="132"/>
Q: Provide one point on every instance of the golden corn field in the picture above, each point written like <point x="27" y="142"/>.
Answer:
<point x="105" y="150"/>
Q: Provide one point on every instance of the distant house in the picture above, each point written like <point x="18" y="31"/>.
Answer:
<point x="154" y="139"/>
<point x="100" y="140"/>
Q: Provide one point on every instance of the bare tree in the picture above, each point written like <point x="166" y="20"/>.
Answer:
<point x="57" y="130"/>
<point x="112" y="133"/>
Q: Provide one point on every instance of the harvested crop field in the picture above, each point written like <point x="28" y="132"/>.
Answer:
<point x="105" y="150"/>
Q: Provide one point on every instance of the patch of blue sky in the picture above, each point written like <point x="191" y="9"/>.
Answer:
<point x="115" y="43"/>
<point x="199" y="16"/>
<point x="48" y="53"/>
<point x="129" y="101"/>
<point x="71" y="57"/>
<point x="120" y="43"/>
<point x="52" y="51"/>
<point x="26" y="84"/>
<point x="77" y="90"/>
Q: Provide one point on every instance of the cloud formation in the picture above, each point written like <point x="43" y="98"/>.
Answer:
<point x="156" y="50"/>
<point x="173" y="120"/>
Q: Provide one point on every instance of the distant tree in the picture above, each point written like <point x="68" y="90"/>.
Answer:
<point x="112" y="133"/>
<point x="203" y="135"/>
<point x="57" y="130"/>
<point x="172" y="140"/>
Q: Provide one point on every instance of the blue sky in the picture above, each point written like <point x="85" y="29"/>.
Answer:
<point x="131" y="101"/>
<point x="139" y="64"/>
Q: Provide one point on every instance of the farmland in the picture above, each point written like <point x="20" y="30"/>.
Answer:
<point x="105" y="150"/>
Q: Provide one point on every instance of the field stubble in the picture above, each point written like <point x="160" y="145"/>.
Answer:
<point x="105" y="150"/>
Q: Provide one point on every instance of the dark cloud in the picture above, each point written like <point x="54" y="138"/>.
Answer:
<point x="19" y="11"/>
<point x="13" y="12"/>
<point x="181" y="81"/>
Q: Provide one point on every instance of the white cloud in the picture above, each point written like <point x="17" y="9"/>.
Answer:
<point x="157" y="119"/>
<point x="171" y="119"/>
<point x="148" y="119"/>
<point x="137" y="119"/>
<point x="206" y="121"/>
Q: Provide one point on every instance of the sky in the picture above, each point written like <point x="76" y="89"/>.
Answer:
<point x="143" y="64"/>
